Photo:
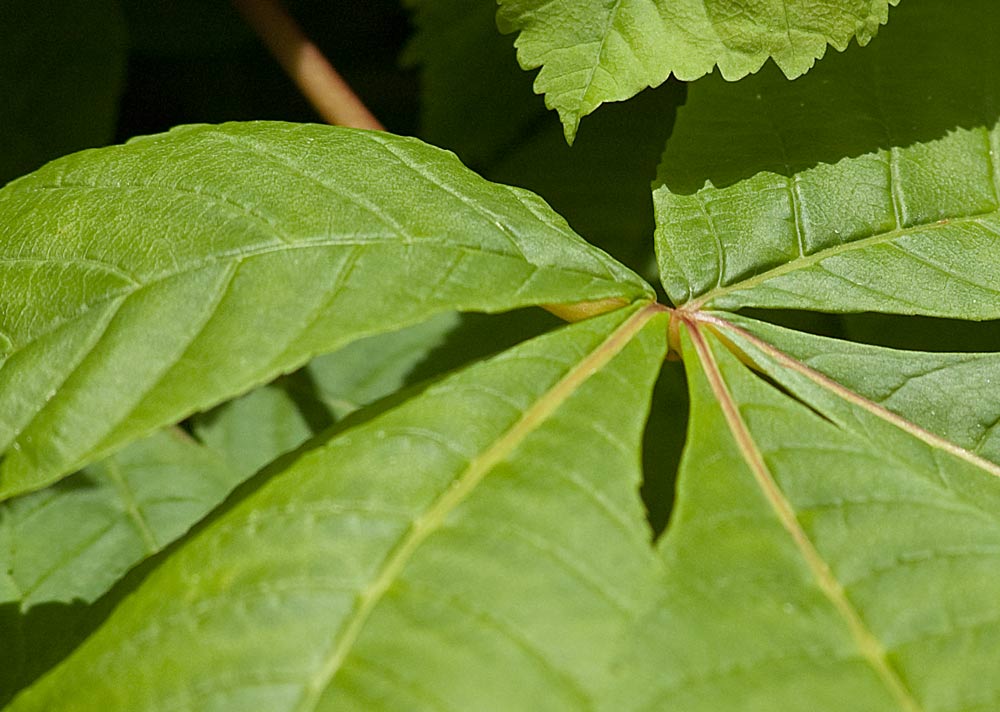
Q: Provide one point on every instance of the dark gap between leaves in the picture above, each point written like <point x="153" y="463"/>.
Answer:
<point x="663" y="444"/>
<point x="896" y="331"/>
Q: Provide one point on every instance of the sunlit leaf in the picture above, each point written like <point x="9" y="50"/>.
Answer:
<point x="385" y="568"/>
<point x="147" y="281"/>
<point x="593" y="52"/>
<point x="812" y="565"/>
<point x="867" y="185"/>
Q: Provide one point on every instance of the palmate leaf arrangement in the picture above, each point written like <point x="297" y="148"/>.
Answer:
<point x="478" y="541"/>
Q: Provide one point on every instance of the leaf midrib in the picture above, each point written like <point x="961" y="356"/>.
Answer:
<point x="258" y="250"/>
<point x="462" y="486"/>
<point x="869" y="646"/>
<point x="814" y="258"/>
<point x="846" y="394"/>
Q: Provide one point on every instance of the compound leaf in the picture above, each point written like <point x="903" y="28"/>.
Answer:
<point x="380" y="570"/>
<point x="147" y="281"/>
<point x="868" y="185"/>
<point x="593" y="52"/>
<point x="812" y="565"/>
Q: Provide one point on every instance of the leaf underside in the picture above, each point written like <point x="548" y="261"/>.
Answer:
<point x="381" y="569"/>
<point x="837" y="521"/>
<point x="868" y="185"/>
<point x="830" y="560"/>
<point x="594" y="52"/>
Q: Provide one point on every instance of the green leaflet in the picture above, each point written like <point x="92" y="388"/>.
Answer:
<point x="811" y="567"/>
<point x="254" y="429"/>
<point x="867" y="185"/>
<point x="373" y="368"/>
<point x="250" y="431"/>
<point x="949" y="394"/>
<point x="501" y="129"/>
<point x="62" y="65"/>
<point x="74" y="540"/>
<point x="147" y="281"/>
<point x="63" y="547"/>
<point x="593" y="52"/>
<point x="421" y="560"/>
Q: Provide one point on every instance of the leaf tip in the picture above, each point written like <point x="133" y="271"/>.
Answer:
<point x="570" y="122"/>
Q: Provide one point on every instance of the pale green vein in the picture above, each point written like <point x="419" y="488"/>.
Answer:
<point x="427" y="523"/>
<point x="868" y="645"/>
<point x="818" y="257"/>
<point x="127" y="496"/>
<point x="827" y="383"/>
<point x="599" y="55"/>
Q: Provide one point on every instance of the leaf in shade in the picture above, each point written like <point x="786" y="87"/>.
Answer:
<point x="64" y="547"/>
<point x="372" y="368"/>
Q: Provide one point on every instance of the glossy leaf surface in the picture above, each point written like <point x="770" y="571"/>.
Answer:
<point x="134" y="274"/>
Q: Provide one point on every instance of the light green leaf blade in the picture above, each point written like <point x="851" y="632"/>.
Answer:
<point x="256" y="428"/>
<point x="867" y="185"/>
<point x="74" y="540"/>
<point x="502" y="130"/>
<point x="64" y="547"/>
<point x="424" y="559"/>
<point x="952" y="395"/>
<point x="811" y="566"/>
<point x="62" y="66"/>
<point x="147" y="281"/>
<point x="595" y="52"/>
<point x="250" y="431"/>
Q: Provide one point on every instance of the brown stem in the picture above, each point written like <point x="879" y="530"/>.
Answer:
<point x="334" y="100"/>
<point x="319" y="82"/>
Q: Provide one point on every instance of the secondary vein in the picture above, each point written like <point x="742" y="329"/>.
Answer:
<point x="821" y="255"/>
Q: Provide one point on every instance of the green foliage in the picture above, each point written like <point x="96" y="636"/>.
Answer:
<point x="244" y="239"/>
<point x="258" y="454"/>
<point x="591" y="53"/>
<point x="794" y="210"/>
<point x="386" y="550"/>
